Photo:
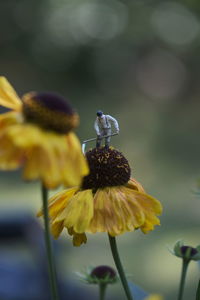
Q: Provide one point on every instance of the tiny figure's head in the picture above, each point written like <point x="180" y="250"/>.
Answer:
<point x="99" y="113"/>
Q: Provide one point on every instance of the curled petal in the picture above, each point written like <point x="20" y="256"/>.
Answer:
<point x="8" y="96"/>
<point x="135" y="185"/>
<point x="78" y="238"/>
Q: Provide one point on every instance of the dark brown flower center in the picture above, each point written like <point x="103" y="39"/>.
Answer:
<point x="108" y="167"/>
<point x="184" y="249"/>
<point x="102" y="272"/>
<point x="50" y="111"/>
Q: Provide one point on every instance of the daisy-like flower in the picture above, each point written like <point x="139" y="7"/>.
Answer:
<point x="108" y="201"/>
<point x="37" y="135"/>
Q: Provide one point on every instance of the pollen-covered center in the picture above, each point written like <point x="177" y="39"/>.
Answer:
<point x="50" y="111"/>
<point x="108" y="167"/>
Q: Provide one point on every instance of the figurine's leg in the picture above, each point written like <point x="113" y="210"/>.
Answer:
<point x="98" y="142"/>
<point x="107" y="140"/>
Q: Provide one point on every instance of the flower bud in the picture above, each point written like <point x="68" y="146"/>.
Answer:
<point x="186" y="252"/>
<point x="99" y="275"/>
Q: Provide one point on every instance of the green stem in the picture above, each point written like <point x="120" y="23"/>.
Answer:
<point x="113" y="246"/>
<point x="51" y="266"/>
<point x="102" y="291"/>
<point x="183" y="276"/>
<point x="198" y="292"/>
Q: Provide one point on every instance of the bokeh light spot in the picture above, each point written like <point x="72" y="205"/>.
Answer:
<point x="175" y="24"/>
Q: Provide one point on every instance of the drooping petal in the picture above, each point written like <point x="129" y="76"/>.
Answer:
<point x="46" y="155"/>
<point x="56" y="163"/>
<point x="78" y="238"/>
<point x="150" y="207"/>
<point x="56" y="229"/>
<point x="76" y="161"/>
<point x="58" y="202"/>
<point x="79" y="212"/>
<point x="8" y="96"/>
<point x="113" y="213"/>
<point x="11" y="156"/>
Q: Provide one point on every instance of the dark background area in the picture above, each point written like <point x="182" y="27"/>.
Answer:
<point x="139" y="62"/>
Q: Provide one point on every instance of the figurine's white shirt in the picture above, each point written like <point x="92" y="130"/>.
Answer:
<point x="104" y="122"/>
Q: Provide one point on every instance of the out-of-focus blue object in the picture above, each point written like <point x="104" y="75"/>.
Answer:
<point x="137" y="292"/>
<point x="23" y="265"/>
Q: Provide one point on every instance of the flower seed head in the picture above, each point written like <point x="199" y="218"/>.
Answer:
<point x="186" y="252"/>
<point x="187" y="249"/>
<point x="108" y="167"/>
<point x="49" y="111"/>
<point x="101" y="272"/>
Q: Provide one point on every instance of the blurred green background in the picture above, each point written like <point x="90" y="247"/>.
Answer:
<point x="138" y="61"/>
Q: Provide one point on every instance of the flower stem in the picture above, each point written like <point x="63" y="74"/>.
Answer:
<point x="113" y="246"/>
<point x="51" y="266"/>
<point x="198" y="292"/>
<point x="102" y="291"/>
<point x="183" y="276"/>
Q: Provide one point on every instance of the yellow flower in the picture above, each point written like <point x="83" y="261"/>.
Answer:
<point x="37" y="135"/>
<point x="108" y="201"/>
<point x="154" y="297"/>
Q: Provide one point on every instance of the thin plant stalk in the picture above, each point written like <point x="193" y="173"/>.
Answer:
<point x="183" y="276"/>
<point x="198" y="292"/>
<point x="51" y="265"/>
<point x="102" y="291"/>
<point x="113" y="246"/>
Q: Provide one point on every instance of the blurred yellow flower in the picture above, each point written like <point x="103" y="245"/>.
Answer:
<point x="37" y="135"/>
<point x="108" y="201"/>
<point x="154" y="297"/>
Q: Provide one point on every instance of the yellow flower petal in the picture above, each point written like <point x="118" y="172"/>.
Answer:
<point x="78" y="238"/>
<point x="150" y="206"/>
<point x="51" y="157"/>
<point x="55" y="160"/>
<point x="8" y="96"/>
<point x="58" y="202"/>
<point x="114" y="213"/>
<point x="120" y="209"/>
<point x="11" y="157"/>
<point x="76" y="161"/>
<point x="114" y="210"/>
<point x="135" y="185"/>
<point x="78" y="212"/>
<point x="56" y="229"/>
<point x="9" y="118"/>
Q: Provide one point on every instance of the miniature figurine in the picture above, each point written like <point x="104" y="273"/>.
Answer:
<point x="102" y="126"/>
